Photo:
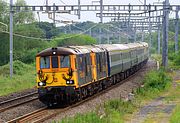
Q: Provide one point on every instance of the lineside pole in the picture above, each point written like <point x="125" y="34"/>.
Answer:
<point x="101" y="11"/>
<point x="135" y="34"/>
<point x="142" y="39"/>
<point x="100" y="34"/>
<point x="159" y="36"/>
<point x="54" y="14"/>
<point x="108" y="35"/>
<point x="119" y="36"/>
<point x="79" y="11"/>
<point x="176" y="29"/>
<point x="101" y="21"/>
<point x="11" y="38"/>
<point x="150" y="31"/>
<point x="165" y="34"/>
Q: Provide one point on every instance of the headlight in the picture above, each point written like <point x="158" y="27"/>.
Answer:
<point x="41" y="84"/>
<point x="70" y="82"/>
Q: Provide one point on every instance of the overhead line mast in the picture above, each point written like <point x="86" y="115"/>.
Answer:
<point x="11" y="38"/>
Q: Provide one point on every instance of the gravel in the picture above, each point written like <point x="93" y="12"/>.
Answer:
<point x="20" y="110"/>
<point x="16" y="94"/>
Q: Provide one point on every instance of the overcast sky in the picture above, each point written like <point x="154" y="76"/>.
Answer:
<point x="90" y="15"/>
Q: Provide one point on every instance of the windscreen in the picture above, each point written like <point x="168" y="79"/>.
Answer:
<point x="45" y="62"/>
<point x="64" y="61"/>
<point x="54" y="62"/>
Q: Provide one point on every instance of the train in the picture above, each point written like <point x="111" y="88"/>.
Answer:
<point x="68" y="74"/>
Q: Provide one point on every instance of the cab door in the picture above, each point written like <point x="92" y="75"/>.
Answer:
<point x="81" y="69"/>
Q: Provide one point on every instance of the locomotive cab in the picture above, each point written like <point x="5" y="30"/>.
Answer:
<point x="54" y="71"/>
<point x="56" y="74"/>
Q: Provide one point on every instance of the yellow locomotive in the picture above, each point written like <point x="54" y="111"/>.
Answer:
<point x="68" y="74"/>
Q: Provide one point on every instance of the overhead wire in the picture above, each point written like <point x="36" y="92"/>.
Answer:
<point x="80" y="33"/>
<point x="28" y="37"/>
<point x="63" y="2"/>
<point x="114" y="32"/>
<point x="71" y="21"/>
<point x="118" y="28"/>
<point x="141" y="2"/>
<point x="78" y="27"/>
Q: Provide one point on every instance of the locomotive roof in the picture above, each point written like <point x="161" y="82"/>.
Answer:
<point x="58" y="51"/>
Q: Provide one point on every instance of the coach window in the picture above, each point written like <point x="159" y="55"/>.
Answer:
<point x="54" y="61"/>
<point x="45" y="62"/>
<point x="64" y="61"/>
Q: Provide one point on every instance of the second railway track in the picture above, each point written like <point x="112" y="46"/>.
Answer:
<point x="8" y="104"/>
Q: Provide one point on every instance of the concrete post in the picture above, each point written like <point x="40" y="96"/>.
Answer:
<point x="11" y="38"/>
<point x="159" y="36"/>
<point x="165" y="34"/>
<point x="176" y="29"/>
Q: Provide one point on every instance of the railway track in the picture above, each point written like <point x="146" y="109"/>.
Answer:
<point x="8" y="104"/>
<point x="43" y="114"/>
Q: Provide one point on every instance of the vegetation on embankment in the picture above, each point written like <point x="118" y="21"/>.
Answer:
<point x="175" y="118"/>
<point x="118" y="111"/>
<point x="174" y="97"/>
<point x="173" y="60"/>
<point x="23" y="78"/>
<point x="25" y="52"/>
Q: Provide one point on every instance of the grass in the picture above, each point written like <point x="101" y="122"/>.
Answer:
<point x="119" y="111"/>
<point x="79" y="118"/>
<point x="155" y="82"/>
<point x="175" y="117"/>
<point x="23" y="78"/>
<point x="171" y="96"/>
<point x="173" y="61"/>
<point x="155" y="118"/>
<point x="174" y="96"/>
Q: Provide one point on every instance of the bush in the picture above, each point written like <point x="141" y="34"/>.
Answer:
<point x="23" y="78"/>
<point x="80" y="118"/>
<point x="120" y="106"/>
<point x="177" y="59"/>
<point x="154" y="82"/>
<point x="19" y="68"/>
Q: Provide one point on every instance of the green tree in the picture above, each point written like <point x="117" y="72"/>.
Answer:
<point x="49" y="29"/>
<point x="23" y="17"/>
<point x="4" y="48"/>
<point x="4" y="11"/>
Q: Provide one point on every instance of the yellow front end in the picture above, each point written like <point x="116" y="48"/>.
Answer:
<point x="56" y="71"/>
